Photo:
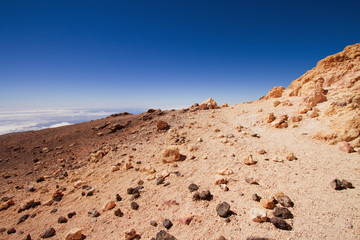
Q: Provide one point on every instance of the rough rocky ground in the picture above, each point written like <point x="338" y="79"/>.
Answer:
<point x="106" y="157"/>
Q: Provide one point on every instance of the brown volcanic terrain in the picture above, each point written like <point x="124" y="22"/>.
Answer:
<point x="290" y="135"/>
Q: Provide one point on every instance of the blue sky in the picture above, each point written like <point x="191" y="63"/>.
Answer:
<point x="167" y="54"/>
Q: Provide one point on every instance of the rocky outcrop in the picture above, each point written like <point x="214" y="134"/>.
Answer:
<point x="336" y="81"/>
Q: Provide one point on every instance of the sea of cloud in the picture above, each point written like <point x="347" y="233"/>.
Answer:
<point x="28" y="120"/>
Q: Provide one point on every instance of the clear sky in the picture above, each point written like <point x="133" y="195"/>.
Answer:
<point x="167" y="54"/>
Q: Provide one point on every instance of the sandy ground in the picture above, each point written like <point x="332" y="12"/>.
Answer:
<point x="320" y="212"/>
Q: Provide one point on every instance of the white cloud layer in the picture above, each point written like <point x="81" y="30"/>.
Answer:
<point x="27" y="120"/>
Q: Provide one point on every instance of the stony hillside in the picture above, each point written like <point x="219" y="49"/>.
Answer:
<point x="248" y="171"/>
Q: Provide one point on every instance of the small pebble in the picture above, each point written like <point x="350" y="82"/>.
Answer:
<point x="62" y="220"/>
<point x="134" y="205"/>
<point x="153" y="223"/>
<point x="167" y="224"/>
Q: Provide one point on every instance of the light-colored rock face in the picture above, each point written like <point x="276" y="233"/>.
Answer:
<point x="335" y="73"/>
<point x="333" y="84"/>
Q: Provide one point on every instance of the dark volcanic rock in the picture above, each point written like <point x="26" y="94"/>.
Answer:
<point x="280" y="223"/>
<point x="193" y="187"/>
<point x="134" y="205"/>
<point x="71" y="214"/>
<point x="163" y="235"/>
<point x="23" y="218"/>
<point x="223" y="209"/>
<point x="28" y="237"/>
<point x="40" y="179"/>
<point x="336" y="184"/>
<point x="11" y="231"/>
<point x="205" y="195"/>
<point x="2" y="230"/>
<point x="48" y="233"/>
<point x="167" y="224"/>
<point x="118" y="198"/>
<point x="347" y="184"/>
<point x="62" y="220"/>
<point x="118" y="213"/>
<point x="282" y="213"/>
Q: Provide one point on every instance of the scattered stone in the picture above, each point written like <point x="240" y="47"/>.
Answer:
<point x="224" y="187"/>
<point x="267" y="203"/>
<point x="167" y="224"/>
<point x="40" y="179"/>
<point x="186" y="219"/>
<point x="118" y="198"/>
<point x="28" y="205"/>
<point x="166" y="184"/>
<point x="28" y="237"/>
<point x="163" y="235"/>
<point x="74" y="234"/>
<point x="336" y="184"/>
<point x="33" y="215"/>
<point x="53" y="210"/>
<point x="57" y="196"/>
<point x="7" y="204"/>
<point x="118" y="213"/>
<point x="196" y="196"/>
<point x="223" y="209"/>
<point x="291" y="157"/>
<point x="6" y="175"/>
<point x="11" y="231"/>
<point x="221" y="238"/>
<point x="134" y="205"/>
<point x="70" y="215"/>
<point x="270" y="118"/>
<point x="153" y="223"/>
<point x="205" y="195"/>
<point x="2" y="230"/>
<point x="62" y="220"/>
<point x="347" y="184"/>
<point x="159" y="181"/>
<point x="220" y="180"/>
<point x="110" y="205"/>
<point x="256" y="197"/>
<point x="285" y="201"/>
<point x="226" y="172"/>
<point x="258" y="215"/>
<point x="282" y="213"/>
<point x="131" y="235"/>
<point x="48" y="233"/>
<point x="23" y="218"/>
<point x="162" y="126"/>
<point x="280" y="223"/>
<point x="345" y="147"/>
<point x="171" y="154"/>
<point x="248" y="160"/>
<point x="251" y="180"/>
<point x="115" y="168"/>
<point x="30" y="188"/>
<point x="93" y="213"/>
<point x="48" y="203"/>
<point x="261" y="151"/>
